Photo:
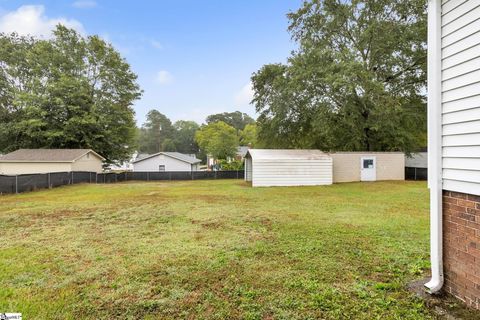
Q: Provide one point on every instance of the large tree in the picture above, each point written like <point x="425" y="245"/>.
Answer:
<point x="356" y="82"/>
<point x="217" y="139"/>
<point x="156" y="134"/>
<point x="66" y="92"/>
<point x="248" y="136"/>
<point x="185" y="136"/>
<point x="236" y="119"/>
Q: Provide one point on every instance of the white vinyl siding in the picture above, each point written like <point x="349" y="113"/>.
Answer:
<point x="461" y="96"/>
<point x="168" y="163"/>
<point x="268" y="168"/>
<point x="292" y="172"/>
<point x="248" y="168"/>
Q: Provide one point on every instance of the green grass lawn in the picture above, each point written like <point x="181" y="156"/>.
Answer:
<point x="214" y="250"/>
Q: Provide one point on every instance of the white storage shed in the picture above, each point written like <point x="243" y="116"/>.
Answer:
<point x="266" y="167"/>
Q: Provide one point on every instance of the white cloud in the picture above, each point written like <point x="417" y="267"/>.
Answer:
<point x="196" y="114"/>
<point x="31" y="20"/>
<point x="156" y="44"/>
<point x="245" y="95"/>
<point x="84" y="4"/>
<point x="164" y="77"/>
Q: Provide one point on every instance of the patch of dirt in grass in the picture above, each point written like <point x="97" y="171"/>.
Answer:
<point x="209" y="224"/>
<point x="199" y="236"/>
<point x="52" y="217"/>
<point x="208" y="198"/>
<point x="260" y="237"/>
<point x="444" y="305"/>
<point x="261" y="220"/>
<point x="212" y="198"/>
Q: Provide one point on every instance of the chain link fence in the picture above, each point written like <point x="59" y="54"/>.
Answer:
<point x="30" y="182"/>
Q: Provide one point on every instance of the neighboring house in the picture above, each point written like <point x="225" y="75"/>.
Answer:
<point x="140" y="156"/>
<point x="417" y="160"/>
<point x="416" y="166"/>
<point x="27" y="161"/>
<point x="268" y="167"/>
<point x="167" y="161"/>
<point x="124" y="166"/>
<point x="241" y="152"/>
<point x="239" y="156"/>
<point x="454" y="147"/>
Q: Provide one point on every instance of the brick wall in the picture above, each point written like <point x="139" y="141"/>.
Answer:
<point x="461" y="246"/>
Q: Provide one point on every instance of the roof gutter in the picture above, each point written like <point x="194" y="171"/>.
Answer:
<point x="435" y="144"/>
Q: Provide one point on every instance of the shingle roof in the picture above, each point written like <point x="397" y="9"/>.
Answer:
<point x="176" y="155"/>
<point x="286" y="154"/>
<point x="141" y="156"/>
<point x="46" y="155"/>
<point x="242" y="151"/>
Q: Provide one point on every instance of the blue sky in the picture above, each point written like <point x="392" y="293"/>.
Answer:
<point x="193" y="58"/>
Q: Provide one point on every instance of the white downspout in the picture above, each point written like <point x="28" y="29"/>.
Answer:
<point x="435" y="144"/>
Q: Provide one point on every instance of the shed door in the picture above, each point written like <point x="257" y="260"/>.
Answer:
<point x="368" y="169"/>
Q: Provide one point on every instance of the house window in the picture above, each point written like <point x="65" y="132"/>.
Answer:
<point x="161" y="168"/>
<point x="368" y="163"/>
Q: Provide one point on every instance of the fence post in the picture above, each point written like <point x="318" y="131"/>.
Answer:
<point x="148" y="176"/>
<point x="104" y="176"/>
<point x="415" y="174"/>
<point x="115" y="177"/>
<point x="16" y="183"/>
<point x="237" y="174"/>
<point x="71" y="181"/>
<point x="96" y="178"/>
<point x="49" y="181"/>
<point x="215" y="174"/>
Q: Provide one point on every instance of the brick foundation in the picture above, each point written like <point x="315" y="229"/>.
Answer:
<point x="461" y="246"/>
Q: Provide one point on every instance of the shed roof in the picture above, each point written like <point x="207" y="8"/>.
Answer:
<point x="286" y="154"/>
<point x="175" y="155"/>
<point x="46" y="155"/>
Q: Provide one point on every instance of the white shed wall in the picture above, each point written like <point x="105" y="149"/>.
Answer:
<point x="171" y="164"/>
<point x="266" y="173"/>
<point x="248" y="168"/>
<point x="461" y="96"/>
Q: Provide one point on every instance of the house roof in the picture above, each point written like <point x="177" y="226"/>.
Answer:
<point x="286" y="154"/>
<point x="175" y="155"/>
<point x="242" y="151"/>
<point x="46" y="155"/>
<point x="141" y="156"/>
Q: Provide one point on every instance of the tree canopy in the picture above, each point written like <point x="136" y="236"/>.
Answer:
<point x="236" y="119"/>
<point x="248" y="136"/>
<point x="185" y="136"/>
<point x="218" y="139"/>
<point x="66" y="92"/>
<point x="356" y="82"/>
<point x="156" y="134"/>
